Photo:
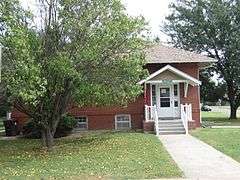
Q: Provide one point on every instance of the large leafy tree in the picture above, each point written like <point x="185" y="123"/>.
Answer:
<point x="211" y="27"/>
<point x="83" y="52"/>
<point x="4" y="104"/>
<point x="210" y="92"/>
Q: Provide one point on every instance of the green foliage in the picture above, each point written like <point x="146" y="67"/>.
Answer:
<point x="67" y="122"/>
<point x="211" y="27"/>
<point x="64" y="128"/>
<point x="93" y="155"/>
<point x="210" y="91"/>
<point x="31" y="130"/>
<point x="87" y="53"/>
<point x="99" y="52"/>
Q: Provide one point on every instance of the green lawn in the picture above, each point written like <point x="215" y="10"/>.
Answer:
<point x="218" y="118"/>
<point x="225" y="140"/>
<point x="110" y="155"/>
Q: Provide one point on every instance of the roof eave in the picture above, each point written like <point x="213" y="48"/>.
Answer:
<point x="193" y="80"/>
<point x="172" y="62"/>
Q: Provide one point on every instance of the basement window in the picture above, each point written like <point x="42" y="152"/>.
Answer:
<point x="82" y="122"/>
<point x="123" y="121"/>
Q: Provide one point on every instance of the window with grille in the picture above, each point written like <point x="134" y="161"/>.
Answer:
<point x="175" y="89"/>
<point x="154" y="99"/>
<point x="165" y="97"/>
<point x="82" y="122"/>
<point x="123" y="121"/>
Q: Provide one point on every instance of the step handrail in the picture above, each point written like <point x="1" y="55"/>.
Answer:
<point x="186" y="115"/>
<point x="156" y="120"/>
<point x="151" y="115"/>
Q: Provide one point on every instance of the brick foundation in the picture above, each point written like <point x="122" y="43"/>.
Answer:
<point x="148" y="126"/>
<point x="192" y="125"/>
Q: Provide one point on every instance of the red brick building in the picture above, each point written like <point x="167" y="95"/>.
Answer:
<point x="170" y="102"/>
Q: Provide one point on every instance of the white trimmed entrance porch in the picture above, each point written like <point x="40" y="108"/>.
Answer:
<point x="169" y="114"/>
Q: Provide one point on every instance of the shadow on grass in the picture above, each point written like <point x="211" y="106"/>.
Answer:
<point x="218" y="118"/>
<point x="85" y="139"/>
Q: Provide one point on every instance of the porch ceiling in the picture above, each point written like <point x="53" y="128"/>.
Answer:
<point x="170" y="73"/>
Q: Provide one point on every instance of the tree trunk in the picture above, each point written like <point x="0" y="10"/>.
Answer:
<point x="47" y="138"/>
<point x="233" y="114"/>
<point x="232" y="100"/>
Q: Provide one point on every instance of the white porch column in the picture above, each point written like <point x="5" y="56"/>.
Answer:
<point x="186" y="84"/>
<point x="145" y="93"/>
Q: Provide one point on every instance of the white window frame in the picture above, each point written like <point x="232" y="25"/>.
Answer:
<point x="177" y="97"/>
<point x="76" y="117"/>
<point x="155" y="93"/>
<point x="130" y="121"/>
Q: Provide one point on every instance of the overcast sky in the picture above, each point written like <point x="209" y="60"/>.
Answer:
<point x="154" y="12"/>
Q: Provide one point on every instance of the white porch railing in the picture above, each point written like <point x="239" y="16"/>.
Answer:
<point x="152" y="116"/>
<point x="186" y="115"/>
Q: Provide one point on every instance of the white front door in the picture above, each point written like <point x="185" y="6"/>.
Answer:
<point x="168" y="101"/>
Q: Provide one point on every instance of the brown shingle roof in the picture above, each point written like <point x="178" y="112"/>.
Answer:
<point x="164" y="54"/>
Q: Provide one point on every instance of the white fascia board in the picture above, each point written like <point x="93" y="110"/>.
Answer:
<point x="175" y="71"/>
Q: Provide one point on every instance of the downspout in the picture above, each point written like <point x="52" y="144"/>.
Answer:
<point x="199" y="96"/>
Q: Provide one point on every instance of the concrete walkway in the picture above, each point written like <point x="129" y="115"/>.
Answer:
<point x="198" y="160"/>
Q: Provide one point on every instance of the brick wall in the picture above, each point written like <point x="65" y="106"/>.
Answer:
<point x="104" y="117"/>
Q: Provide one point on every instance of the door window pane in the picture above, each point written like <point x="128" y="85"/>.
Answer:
<point x="175" y="103"/>
<point x="165" y="102"/>
<point x="175" y="87"/>
<point x="164" y="92"/>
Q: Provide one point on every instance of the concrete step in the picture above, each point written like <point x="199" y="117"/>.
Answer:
<point x="170" y="121"/>
<point x="171" y="132"/>
<point x="170" y="125"/>
<point x="171" y="128"/>
<point x="169" y="118"/>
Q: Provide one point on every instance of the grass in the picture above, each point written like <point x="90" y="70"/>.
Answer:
<point x="224" y="140"/>
<point x="219" y="118"/>
<point x="109" y="155"/>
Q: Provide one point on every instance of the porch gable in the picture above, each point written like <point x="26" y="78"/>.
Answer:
<point x="170" y="73"/>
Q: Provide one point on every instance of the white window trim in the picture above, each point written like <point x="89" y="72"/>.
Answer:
<point x="178" y="97"/>
<point x="151" y="93"/>
<point x="86" y="122"/>
<point x="130" y="120"/>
